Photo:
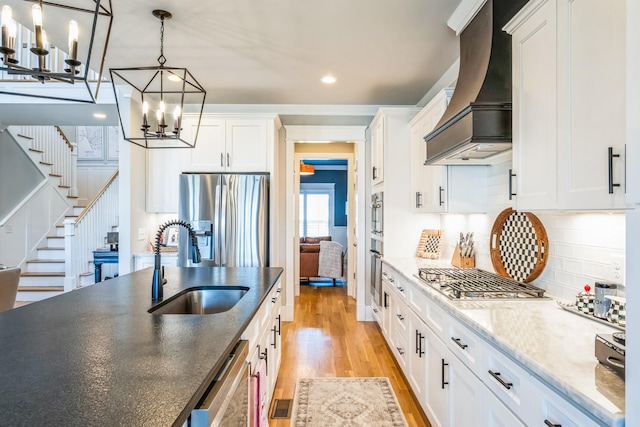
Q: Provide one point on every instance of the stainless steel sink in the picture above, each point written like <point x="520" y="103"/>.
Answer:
<point x="202" y="300"/>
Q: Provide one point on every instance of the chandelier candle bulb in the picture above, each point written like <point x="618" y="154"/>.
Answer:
<point x="73" y="40"/>
<point x="176" y="119"/>
<point x="7" y="17"/>
<point x="36" y="12"/>
<point x="145" y="120"/>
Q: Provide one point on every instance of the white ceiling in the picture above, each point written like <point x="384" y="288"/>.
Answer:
<point x="382" y="52"/>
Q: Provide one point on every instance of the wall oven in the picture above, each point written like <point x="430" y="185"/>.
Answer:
<point x="376" y="213"/>
<point x="376" y="271"/>
<point x="226" y="403"/>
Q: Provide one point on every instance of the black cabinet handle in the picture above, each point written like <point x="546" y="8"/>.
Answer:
<point x="263" y="355"/>
<point x="279" y="324"/>
<point x="401" y="289"/>
<point x="420" y="351"/>
<point x="550" y="424"/>
<point x="400" y="350"/>
<point x="375" y="169"/>
<point x="417" y="342"/>
<point x="443" y="381"/>
<point x="391" y="280"/>
<point x="440" y="194"/>
<point x="611" y="156"/>
<point x="222" y="159"/>
<point x="274" y="300"/>
<point x="400" y="316"/>
<point x="228" y="162"/>
<point x="460" y="343"/>
<point x="505" y="384"/>
<point x="275" y="336"/>
<point x="418" y="199"/>
<point x="385" y="303"/>
<point x="375" y="310"/>
<point x="511" y="176"/>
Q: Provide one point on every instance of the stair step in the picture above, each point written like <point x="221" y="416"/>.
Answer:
<point x="45" y="163"/>
<point x="36" y="150"/>
<point x="71" y="216"/>
<point x="24" y="136"/>
<point x="37" y="293"/>
<point x="55" y="242"/>
<point x="72" y="197"/>
<point x="60" y="230"/>
<point x="64" y="186"/>
<point x="55" y="175"/>
<point x="77" y="210"/>
<point x="51" y="253"/>
<point x="38" y="279"/>
<point x="45" y="266"/>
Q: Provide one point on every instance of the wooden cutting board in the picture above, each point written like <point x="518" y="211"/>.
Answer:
<point x="519" y="245"/>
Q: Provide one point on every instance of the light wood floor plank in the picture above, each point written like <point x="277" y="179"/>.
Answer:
<point x="325" y="340"/>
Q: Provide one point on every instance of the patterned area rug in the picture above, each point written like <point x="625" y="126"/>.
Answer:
<point x="346" y="402"/>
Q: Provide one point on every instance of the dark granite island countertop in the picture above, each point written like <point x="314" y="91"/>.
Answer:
<point x="96" y="356"/>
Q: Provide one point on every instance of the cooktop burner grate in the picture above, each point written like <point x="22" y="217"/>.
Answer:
<point x="474" y="283"/>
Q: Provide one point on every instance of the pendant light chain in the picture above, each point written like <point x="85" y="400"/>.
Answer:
<point x="161" y="58"/>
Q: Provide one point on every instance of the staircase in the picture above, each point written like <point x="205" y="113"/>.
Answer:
<point x="43" y="277"/>
<point x="63" y="261"/>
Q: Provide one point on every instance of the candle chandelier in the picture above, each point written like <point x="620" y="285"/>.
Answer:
<point x="35" y="54"/>
<point x="156" y="97"/>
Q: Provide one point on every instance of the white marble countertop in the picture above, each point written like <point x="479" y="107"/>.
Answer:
<point x="556" y="346"/>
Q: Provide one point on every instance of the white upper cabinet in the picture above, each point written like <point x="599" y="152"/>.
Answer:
<point x="569" y="104"/>
<point x="427" y="182"/>
<point x="377" y="150"/>
<point x="224" y="144"/>
<point x="229" y="145"/>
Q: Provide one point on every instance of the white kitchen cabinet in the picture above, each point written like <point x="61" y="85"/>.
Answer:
<point x="274" y="332"/>
<point x="229" y="145"/>
<point x="495" y="414"/>
<point x="164" y="166"/>
<point x="427" y="180"/>
<point x="465" y="394"/>
<point x="569" y="105"/>
<point x="377" y="150"/>
<point x="436" y="402"/>
<point x="418" y="349"/>
<point x="388" y="307"/>
<point x="167" y="259"/>
<point x="224" y="144"/>
<point x="549" y="408"/>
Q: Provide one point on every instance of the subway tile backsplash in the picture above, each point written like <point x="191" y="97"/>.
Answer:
<point x="583" y="247"/>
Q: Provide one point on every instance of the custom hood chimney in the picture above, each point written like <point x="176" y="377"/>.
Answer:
<point x="477" y="123"/>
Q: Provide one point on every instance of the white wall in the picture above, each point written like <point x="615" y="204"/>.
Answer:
<point x="582" y="246"/>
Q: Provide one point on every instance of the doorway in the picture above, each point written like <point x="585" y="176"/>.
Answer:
<point x="303" y="142"/>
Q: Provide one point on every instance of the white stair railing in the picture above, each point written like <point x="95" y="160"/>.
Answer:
<point x="56" y="150"/>
<point x="88" y="231"/>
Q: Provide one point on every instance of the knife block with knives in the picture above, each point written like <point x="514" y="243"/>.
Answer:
<point x="464" y="252"/>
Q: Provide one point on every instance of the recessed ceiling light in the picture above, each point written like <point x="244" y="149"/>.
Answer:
<point x="100" y="115"/>
<point x="329" y="79"/>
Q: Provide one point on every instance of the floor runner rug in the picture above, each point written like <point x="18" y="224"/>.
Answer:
<point x="346" y="402"/>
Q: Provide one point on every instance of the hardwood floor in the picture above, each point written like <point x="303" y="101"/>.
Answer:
<point x="325" y="340"/>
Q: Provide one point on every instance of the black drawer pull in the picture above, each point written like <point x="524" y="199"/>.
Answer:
<point x="440" y="194"/>
<point x="497" y="376"/>
<point x="400" y="316"/>
<point x="611" y="156"/>
<point x="421" y="351"/>
<point x="400" y="350"/>
<point x="401" y="289"/>
<point x="375" y="310"/>
<point x="443" y="381"/>
<point x="550" y="424"/>
<point x="460" y="343"/>
<point x="418" y="199"/>
<point x="511" y="176"/>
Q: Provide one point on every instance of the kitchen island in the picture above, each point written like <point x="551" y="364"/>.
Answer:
<point x="96" y="356"/>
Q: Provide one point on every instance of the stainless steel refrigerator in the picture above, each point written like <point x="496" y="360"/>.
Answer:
<point x="230" y="215"/>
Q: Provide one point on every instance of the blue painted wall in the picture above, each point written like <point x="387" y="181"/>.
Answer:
<point x="339" y="178"/>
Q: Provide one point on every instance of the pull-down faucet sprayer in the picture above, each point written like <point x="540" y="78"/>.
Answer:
<point x="158" y="272"/>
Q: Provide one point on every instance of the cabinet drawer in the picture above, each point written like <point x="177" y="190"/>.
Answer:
<point x="465" y="344"/>
<point x="377" y="313"/>
<point x="417" y="301"/>
<point x="400" y="350"/>
<point x="437" y="320"/>
<point x="549" y="408"/>
<point x="400" y="320"/>
<point x="507" y="380"/>
<point x="402" y="287"/>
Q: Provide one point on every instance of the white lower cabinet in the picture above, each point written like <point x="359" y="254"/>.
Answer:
<point x="459" y="378"/>
<point x="550" y="409"/>
<point x="265" y="340"/>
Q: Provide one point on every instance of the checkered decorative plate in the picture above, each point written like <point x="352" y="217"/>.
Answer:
<point x="519" y="245"/>
<point x="430" y="244"/>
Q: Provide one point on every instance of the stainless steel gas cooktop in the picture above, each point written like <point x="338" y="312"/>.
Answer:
<point x="457" y="283"/>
